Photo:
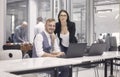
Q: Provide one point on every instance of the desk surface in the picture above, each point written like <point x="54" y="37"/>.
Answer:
<point x="106" y="55"/>
<point x="5" y="74"/>
<point x="33" y="63"/>
<point x="47" y="62"/>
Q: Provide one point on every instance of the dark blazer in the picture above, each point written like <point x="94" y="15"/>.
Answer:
<point x="71" y="29"/>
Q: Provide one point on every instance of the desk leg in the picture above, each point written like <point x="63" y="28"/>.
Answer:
<point x="63" y="69"/>
<point x="70" y="71"/>
<point x="56" y="72"/>
<point x="111" y="68"/>
<point x="105" y="69"/>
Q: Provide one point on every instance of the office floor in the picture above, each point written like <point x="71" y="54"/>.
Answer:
<point x="83" y="72"/>
<point x="92" y="72"/>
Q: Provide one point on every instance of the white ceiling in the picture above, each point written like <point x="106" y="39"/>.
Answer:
<point x="106" y="1"/>
<point x="75" y="1"/>
<point x="79" y="3"/>
<point x="11" y="1"/>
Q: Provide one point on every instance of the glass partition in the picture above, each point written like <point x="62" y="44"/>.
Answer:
<point x="45" y="9"/>
<point x="16" y="12"/>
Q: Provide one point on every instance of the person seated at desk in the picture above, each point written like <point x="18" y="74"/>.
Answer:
<point x="21" y="38"/>
<point x="21" y="33"/>
<point x="45" y="45"/>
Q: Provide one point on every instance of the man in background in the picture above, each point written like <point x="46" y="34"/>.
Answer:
<point x="40" y="26"/>
<point x="21" y="33"/>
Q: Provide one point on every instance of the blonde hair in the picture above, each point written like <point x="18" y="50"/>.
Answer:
<point x="50" y="20"/>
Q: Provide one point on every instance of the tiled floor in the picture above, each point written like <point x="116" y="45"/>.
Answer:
<point x="83" y="72"/>
<point x="92" y="72"/>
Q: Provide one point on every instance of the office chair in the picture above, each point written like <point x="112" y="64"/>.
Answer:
<point x="113" y="44"/>
<point x="10" y="54"/>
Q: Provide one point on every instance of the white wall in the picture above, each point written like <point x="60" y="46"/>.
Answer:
<point x="2" y="24"/>
<point x="32" y="18"/>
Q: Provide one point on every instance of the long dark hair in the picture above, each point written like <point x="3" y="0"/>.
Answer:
<point x="66" y="13"/>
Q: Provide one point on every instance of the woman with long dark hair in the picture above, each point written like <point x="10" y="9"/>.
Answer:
<point x="65" y="30"/>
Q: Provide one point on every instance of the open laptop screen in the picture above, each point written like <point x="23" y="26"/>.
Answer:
<point x="97" y="49"/>
<point x="76" y="50"/>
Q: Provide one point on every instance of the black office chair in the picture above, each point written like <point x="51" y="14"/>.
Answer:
<point x="113" y="47"/>
<point x="119" y="48"/>
<point x="113" y="44"/>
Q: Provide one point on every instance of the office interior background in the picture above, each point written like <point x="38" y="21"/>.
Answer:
<point x="91" y="17"/>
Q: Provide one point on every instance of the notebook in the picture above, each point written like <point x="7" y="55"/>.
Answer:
<point x="76" y="50"/>
<point x="96" y="49"/>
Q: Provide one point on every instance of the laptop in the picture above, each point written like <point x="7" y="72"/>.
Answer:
<point x="96" y="49"/>
<point x="76" y="50"/>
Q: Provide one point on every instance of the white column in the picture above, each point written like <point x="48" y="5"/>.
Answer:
<point x="69" y="7"/>
<point x="119" y="21"/>
<point x="2" y="22"/>
<point x="32" y="10"/>
<point x="90" y="21"/>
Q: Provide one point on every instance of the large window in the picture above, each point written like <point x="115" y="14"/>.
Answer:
<point x="78" y="15"/>
<point x="45" y="8"/>
<point x="107" y="16"/>
<point x="28" y="10"/>
<point x="16" y="12"/>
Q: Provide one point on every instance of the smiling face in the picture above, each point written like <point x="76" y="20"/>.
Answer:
<point x="63" y="17"/>
<point x="50" y="26"/>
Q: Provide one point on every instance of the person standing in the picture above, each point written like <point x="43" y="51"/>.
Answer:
<point x="65" y="30"/>
<point x="101" y="39"/>
<point x="107" y="41"/>
<point x="40" y="26"/>
<point x="21" y="33"/>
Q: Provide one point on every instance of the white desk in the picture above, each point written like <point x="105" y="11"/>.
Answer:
<point x="24" y="66"/>
<point x="5" y="74"/>
<point x="33" y="63"/>
<point x="106" y="56"/>
<point x="47" y="62"/>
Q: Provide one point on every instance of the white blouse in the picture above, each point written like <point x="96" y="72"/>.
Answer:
<point x="65" y="39"/>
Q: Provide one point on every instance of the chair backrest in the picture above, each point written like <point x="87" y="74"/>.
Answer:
<point x="10" y="54"/>
<point x="113" y="44"/>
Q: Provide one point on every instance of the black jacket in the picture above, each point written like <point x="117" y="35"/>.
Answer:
<point x="71" y="29"/>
